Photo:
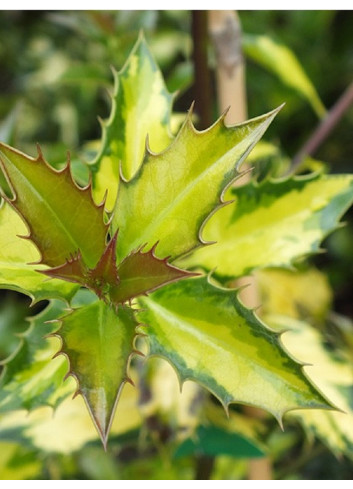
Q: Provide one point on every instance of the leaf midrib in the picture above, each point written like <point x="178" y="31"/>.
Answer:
<point x="188" y="189"/>
<point x="50" y="209"/>
<point x="166" y="313"/>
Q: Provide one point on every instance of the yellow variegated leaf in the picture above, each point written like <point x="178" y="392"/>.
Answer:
<point x="16" y="254"/>
<point x="332" y="372"/>
<point x="141" y="106"/>
<point x="174" y="192"/>
<point x="210" y="337"/>
<point x="273" y="223"/>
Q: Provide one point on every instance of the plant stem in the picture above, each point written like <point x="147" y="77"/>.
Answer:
<point x="202" y="85"/>
<point x="204" y="467"/>
<point x="325" y="127"/>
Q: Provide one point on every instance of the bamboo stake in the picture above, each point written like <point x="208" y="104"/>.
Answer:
<point x="225" y="32"/>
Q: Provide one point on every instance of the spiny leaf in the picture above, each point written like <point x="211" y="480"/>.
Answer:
<point x="139" y="273"/>
<point x="62" y="218"/>
<point x="175" y="191"/>
<point x="332" y="371"/>
<point x="73" y="270"/>
<point x="16" y="253"/>
<point x="104" y="276"/>
<point x="142" y="272"/>
<point x="273" y="223"/>
<point x="100" y="279"/>
<point x="141" y="106"/>
<point x="98" y="343"/>
<point x="210" y="337"/>
<point x="31" y="378"/>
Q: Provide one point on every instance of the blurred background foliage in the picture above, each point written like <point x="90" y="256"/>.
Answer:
<point x="55" y="80"/>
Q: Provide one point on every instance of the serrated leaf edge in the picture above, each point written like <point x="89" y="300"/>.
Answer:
<point x="278" y="335"/>
<point x="151" y="252"/>
<point x="70" y="373"/>
<point x="64" y="171"/>
<point x="268" y="117"/>
<point x="105" y="124"/>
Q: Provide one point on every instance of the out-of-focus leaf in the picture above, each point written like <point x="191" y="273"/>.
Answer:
<point x="273" y="223"/>
<point x="83" y="74"/>
<point x="16" y="253"/>
<point x="181" y="77"/>
<point x="7" y="126"/>
<point x="12" y="321"/>
<point x="174" y="192"/>
<point x="163" y="398"/>
<point x="263" y="149"/>
<point x="332" y="372"/>
<point x="210" y="337"/>
<point x="281" y="61"/>
<point x="213" y="441"/>
<point x="17" y="462"/>
<point x="298" y="294"/>
<point x="69" y="428"/>
<point x="31" y="377"/>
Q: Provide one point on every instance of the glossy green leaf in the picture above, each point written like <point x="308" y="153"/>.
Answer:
<point x="98" y="343"/>
<point x="332" y="372"/>
<point x="210" y="337"/>
<point x="281" y="61"/>
<point x="273" y="223"/>
<point x="141" y="106"/>
<point x="213" y="441"/>
<point x="61" y="217"/>
<point x="16" y="253"/>
<point x="175" y="191"/>
<point x="31" y="378"/>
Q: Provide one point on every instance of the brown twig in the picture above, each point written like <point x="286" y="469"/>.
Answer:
<point x="202" y="85"/>
<point x="326" y="126"/>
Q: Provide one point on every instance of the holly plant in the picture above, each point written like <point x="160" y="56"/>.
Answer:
<point x="151" y="261"/>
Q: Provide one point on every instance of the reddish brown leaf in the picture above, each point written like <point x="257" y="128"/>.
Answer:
<point x="142" y="272"/>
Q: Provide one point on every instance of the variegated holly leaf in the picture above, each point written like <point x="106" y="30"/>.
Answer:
<point x="174" y="192"/>
<point x="210" y="337"/>
<point x="61" y="217"/>
<point x="15" y="256"/>
<point x="141" y="106"/>
<point x="273" y="223"/>
<point x="332" y="372"/>
<point x="31" y="378"/>
<point x="98" y="342"/>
